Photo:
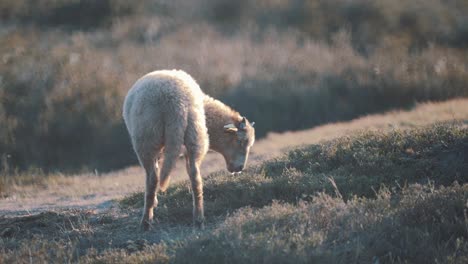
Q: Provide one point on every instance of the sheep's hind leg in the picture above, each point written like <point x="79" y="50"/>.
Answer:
<point x="193" y="162"/>
<point x="151" y="200"/>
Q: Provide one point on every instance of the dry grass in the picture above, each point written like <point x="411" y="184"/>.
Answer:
<point x="420" y="225"/>
<point x="382" y="197"/>
<point x="63" y="78"/>
<point x="375" y="196"/>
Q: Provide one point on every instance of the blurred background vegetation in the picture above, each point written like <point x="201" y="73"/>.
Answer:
<point x="66" y="65"/>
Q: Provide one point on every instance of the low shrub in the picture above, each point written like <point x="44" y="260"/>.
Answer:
<point x="419" y="225"/>
<point x="372" y="197"/>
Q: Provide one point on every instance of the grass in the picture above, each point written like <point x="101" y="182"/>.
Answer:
<point x="420" y="224"/>
<point x="359" y="165"/>
<point x="369" y="197"/>
<point x="389" y="197"/>
<point x="392" y="197"/>
<point x="35" y="178"/>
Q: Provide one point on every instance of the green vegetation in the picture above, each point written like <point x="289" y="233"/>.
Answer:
<point x="391" y="197"/>
<point x="288" y="65"/>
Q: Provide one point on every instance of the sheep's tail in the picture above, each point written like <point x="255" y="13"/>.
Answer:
<point x="174" y="139"/>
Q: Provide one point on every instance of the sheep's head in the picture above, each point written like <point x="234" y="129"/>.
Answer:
<point x="239" y="139"/>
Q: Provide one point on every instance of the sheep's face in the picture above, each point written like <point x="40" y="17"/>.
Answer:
<point x="239" y="139"/>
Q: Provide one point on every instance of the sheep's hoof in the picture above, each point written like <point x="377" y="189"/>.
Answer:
<point x="145" y="225"/>
<point x="200" y="224"/>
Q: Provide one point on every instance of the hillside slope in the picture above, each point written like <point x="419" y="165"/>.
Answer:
<point x="34" y="192"/>
<point x="388" y="196"/>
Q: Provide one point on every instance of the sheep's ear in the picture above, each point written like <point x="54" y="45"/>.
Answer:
<point x="230" y="128"/>
<point x="243" y="123"/>
<point x="252" y="124"/>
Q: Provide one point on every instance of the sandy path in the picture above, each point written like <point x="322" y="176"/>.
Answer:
<point x="99" y="192"/>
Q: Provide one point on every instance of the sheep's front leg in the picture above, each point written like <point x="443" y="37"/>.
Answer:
<point x="193" y="169"/>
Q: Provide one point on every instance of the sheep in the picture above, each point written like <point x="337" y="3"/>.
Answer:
<point x="165" y="111"/>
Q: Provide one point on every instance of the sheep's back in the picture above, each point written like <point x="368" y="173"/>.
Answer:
<point x="160" y="97"/>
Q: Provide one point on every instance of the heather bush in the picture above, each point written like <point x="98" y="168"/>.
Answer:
<point x="387" y="197"/>
<point x="421" y="225"/>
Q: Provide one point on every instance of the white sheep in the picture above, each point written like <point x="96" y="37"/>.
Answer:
<point x="166" y="110"/>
